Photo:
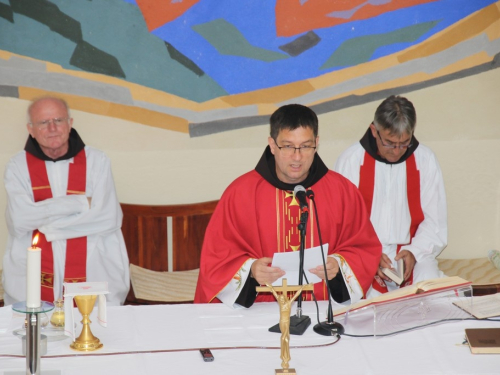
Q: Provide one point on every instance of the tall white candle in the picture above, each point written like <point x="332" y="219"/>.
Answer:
<point x="33" y="276"/>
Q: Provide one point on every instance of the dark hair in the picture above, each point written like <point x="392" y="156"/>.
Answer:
<point x="397" y="115"/>
<point x="291" y="117"/>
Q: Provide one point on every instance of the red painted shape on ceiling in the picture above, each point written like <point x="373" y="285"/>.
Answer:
<point x="292" y="18"/>
<point x="157" y="13"/>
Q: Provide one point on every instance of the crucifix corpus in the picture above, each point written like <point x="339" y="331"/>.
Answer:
<point x="285" y="306"/>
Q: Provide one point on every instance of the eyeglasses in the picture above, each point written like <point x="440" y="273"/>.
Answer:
<point x="289" y="150"/>
<point x="401" y="147"/>
<point x="42" y="125"/>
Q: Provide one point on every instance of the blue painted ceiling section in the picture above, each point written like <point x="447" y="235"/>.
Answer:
<point x="256" y="21"/>
<point x="183" y="58"/>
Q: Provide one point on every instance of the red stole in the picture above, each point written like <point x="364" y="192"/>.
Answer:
<point x="366" y="187"/>
<point x="76" y="248"/>
<point x="288" y="235"/>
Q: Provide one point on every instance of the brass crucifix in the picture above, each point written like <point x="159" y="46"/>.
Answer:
<point x="285" y="307"/>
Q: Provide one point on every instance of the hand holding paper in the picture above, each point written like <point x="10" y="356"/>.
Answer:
<point x="332" y="269"/>
<point x="289" y="262"/>
<point x="263" y="273"/>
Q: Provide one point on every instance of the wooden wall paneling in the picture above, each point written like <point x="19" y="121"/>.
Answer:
<point x="146" y="236"/>
<point x="188" y="235"/>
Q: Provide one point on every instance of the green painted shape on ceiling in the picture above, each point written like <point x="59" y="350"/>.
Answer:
<point x="228" y="40"/>
<point x="49" y="14"/>
<point x="120" y="49"/>
<point x="6" y="12"/>
<point x="92" y="59"/>
<point x="359" y="50"/>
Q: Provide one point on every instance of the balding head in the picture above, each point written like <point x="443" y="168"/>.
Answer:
<point x="50" y="124"/>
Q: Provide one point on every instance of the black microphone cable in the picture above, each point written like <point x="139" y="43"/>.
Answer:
<point x="328" y="328"/>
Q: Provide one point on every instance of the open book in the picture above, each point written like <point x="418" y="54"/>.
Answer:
<point x="482" y="306"/>
<point x="426" y="286"/>
<point x="396" y="274"/>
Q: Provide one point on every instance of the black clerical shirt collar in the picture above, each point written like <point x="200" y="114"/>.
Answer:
<point x="75" y="146"/>
<point x="369" y="143"/>
<point x="266" y="167"/>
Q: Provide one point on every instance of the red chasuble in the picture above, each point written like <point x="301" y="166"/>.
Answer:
<point x="76" y="248"/>
<point x="254" y="219"/>
<point x="367" y="185"/>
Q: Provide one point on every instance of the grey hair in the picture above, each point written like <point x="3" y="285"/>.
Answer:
<point x="397" y="115"/>
<point x="35" y="101"/>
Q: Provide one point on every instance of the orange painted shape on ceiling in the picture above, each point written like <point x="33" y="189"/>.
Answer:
<point x="470" y="27"/>
<point x="158" y="13"/>
<point x="104" y="108"/>
<point x="292" y="18"/>
<point x="270" y="95"/>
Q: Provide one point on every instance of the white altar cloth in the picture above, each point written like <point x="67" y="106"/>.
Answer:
<point x="172" y="333"/>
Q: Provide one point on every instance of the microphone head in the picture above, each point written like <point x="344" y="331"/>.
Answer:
<point x="298" y="188"/>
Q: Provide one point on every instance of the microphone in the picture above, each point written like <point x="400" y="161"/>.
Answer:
<point x="300" y="193"/>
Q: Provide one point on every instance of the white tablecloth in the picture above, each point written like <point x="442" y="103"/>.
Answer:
<point x="181" y="328"/>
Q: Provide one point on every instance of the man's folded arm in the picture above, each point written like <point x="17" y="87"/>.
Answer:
<point x="24" y="215"/>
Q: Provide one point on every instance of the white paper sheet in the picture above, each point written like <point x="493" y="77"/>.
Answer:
<point x="289" y="262"/>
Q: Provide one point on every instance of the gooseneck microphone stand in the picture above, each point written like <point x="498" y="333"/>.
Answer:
<point x="299" y="322"/>
<point x="329" y="327"/>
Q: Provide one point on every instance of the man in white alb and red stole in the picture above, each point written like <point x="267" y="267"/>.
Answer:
<point x="63" y="190"/>
<point x="258" y="216"/>
<point x="403" y="189"/>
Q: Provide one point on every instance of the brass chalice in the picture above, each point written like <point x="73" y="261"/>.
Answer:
<point x="86" y="342"/>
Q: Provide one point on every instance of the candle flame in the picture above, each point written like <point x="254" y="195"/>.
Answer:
<point x="35" y="240"/>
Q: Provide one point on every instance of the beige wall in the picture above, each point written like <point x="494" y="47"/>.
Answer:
<point x="459" y="120"/>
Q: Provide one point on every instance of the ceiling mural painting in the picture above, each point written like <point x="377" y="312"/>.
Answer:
<point x="208" y="66"/>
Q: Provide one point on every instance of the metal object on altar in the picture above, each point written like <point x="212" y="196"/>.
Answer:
<point x="285" y="305"/>
<point x="86" y="342"/>
<point x="289" y="371"/>
<point x="43" y="344"/>
<point x="32" y="345"/>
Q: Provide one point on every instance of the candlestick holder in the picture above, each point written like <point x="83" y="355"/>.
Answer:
<point x="86" y="342"/>
<point x="33" y="333"/>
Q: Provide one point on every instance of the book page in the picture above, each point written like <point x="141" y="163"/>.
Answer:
<point x="482" y="306"/>
<point x="418" y="288"/>
<point x="436" y="284"/>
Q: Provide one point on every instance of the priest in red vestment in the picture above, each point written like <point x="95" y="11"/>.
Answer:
<point x="258" y="215"/>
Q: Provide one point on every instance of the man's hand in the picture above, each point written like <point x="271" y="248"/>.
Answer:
<point x="90" y="201"/>
<point x="265" y="274"/>
<point x="385" y="262"/>
<point x="332" y="269"/>
<point x="409" y="260"/>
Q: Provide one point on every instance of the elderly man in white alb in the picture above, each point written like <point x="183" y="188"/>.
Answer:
<point x="402" y="185"/>
<point x="63" y="190"/>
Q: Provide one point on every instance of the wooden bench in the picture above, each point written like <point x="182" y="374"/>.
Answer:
<point x="164" y="239"/>
<point x="485" y="277"/>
